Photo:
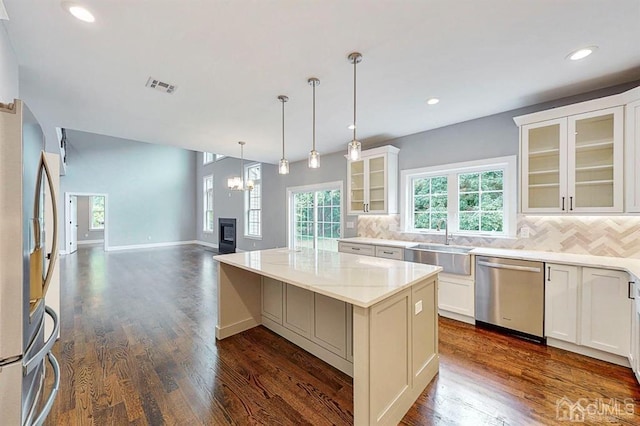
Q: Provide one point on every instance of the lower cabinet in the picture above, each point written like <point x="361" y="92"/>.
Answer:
<point x="323" y="322"/>
<point x="589" y="307"/>
<point x="387" y="252"/>
<point x="272" y="299"/>
<point x="456" y="294"/>
<point x="298" y="310"/>
<point x="330" y="324"/>
<point x="561" y="302"/>
<point x="606" y="310"/>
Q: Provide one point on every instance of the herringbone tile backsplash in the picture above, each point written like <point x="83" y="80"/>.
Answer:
<point x="597" y="235"/>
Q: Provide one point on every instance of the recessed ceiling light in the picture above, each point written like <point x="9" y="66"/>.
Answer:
<point x="581" y="53"/>
<point x="432" y="101"/>
<point x="80" y="12"/>
<point x="351" y="126"/>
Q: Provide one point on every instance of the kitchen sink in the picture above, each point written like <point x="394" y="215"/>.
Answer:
<point x="454" y="260"/>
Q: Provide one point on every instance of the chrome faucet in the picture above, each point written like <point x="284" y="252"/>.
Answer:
<point x="447" y="237"/>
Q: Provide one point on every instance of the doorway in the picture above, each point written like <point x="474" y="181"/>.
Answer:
<point x="85" y="220"/>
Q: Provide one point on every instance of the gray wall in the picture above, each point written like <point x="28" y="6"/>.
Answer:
<point x="84" y="233"/>
<point x="231" y="203"/>
<point x="151" y="195"/>
<point x="486" y="137"/>
<point x="8" y="68"/>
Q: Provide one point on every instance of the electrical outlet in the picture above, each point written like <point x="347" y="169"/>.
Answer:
<point x="149" y="238"/>
<point x="350" y="225"/>
<point x="524" y="232"/>
<point x="418" y="307"/>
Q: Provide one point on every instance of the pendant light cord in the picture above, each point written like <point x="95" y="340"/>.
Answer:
<point x="282" y="128"/>
<point x="314" y="115"/>
<point x="242" y="164"/>
<point x="355" y="61"/>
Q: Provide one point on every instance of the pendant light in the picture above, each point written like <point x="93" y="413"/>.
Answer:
<point x="354" y="147"/>
<point x="314" y="156"/>
<point x="283" y="168"/>
<point x="237" y="183"/>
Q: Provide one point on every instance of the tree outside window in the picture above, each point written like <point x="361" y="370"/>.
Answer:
<point x="429" y="202"/>
<point x="481" y="201"/>
<point x="97" y="212"/>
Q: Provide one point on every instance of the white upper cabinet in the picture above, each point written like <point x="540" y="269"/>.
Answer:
<point x="632" y="154"/>
<point x="573" y="164"/>
<point x="582" y="158"/>
<point x="372" y="185"/>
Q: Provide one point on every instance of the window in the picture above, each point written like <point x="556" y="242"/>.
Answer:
<point x="253" y="202"/>
<point x="207" y="157"/>
<point x="473" y="198"/>
<point x="207" y="197"/>
<point x="96" y="213"/>
<point x="315" y="216"/>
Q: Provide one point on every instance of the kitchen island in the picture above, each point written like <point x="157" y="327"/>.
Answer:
<point x="388" y="340"/>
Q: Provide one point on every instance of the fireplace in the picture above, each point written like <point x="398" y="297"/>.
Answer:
<point x="227" y="235"/>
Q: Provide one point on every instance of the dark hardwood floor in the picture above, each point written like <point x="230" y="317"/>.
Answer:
<point x="138" y="347"/>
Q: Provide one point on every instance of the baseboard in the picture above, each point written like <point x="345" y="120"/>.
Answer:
<point x="151" y="245"/>
<point x="239" y="327"/>
<point x="206" y="244"/>
<point x="590" y="352"/>
<point x="84" y="242"/>
<point x="456" y="316"/>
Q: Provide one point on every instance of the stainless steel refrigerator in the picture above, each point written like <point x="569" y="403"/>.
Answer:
<point x="25" y="269"/>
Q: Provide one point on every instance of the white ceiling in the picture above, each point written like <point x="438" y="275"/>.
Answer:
<point x="231" y="59"/>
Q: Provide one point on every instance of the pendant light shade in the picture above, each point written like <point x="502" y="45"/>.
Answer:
<point x="283" y="167"/>
<point x="237" y="183"/>
<point x="354" y="147"/>
<point x="314" y="156"/>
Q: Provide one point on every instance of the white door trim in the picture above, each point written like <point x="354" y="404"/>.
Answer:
<point x="67" y="229"/>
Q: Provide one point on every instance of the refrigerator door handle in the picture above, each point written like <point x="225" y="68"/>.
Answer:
<point x="54" y="391"/>
<point x="36" y="359"/>
<point x="53" y="256"/>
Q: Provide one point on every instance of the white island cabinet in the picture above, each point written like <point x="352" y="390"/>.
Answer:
<point x="373" y="318"/>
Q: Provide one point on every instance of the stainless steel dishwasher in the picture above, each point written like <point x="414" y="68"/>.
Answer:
<point x="510" y="294"/>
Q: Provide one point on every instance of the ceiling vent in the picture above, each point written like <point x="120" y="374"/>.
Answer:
<point x="161" y="85"/>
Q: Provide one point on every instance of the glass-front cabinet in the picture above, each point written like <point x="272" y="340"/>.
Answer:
<point x="372" y="182"/>
<point x="573" y="164"/>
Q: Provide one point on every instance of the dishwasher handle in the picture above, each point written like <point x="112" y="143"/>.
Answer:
<point x="505" y="266"/>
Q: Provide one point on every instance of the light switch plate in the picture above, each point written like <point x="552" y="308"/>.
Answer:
<point x="524" y="232"/>
<point x="418" y="307"/>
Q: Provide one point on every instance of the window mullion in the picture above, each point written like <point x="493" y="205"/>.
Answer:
<point x="453" y="202"/>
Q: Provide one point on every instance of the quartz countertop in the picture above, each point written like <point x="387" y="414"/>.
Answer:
<point x="359" y="280"/>
<point x="629" y="265"/>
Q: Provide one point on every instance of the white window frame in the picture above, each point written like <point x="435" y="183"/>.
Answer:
<point x="205" y="196"/>
<point x="91" y="227"/>
<point x="208" y="157"/>
<point x="327" y="186"/>
<point x="507" y="164"/>
<point x="247" y="197"/>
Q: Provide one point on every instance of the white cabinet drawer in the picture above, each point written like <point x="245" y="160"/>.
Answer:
<point x="363" y="249"/>
<point x="390" y="252"/>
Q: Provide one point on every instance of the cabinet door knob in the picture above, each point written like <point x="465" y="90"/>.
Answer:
<point x="548" y="273"/>
<point x="571" y="203"/>
<point x="562" y="203"/>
